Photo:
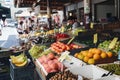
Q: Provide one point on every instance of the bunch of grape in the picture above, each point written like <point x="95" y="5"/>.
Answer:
<point x="112" y="67"/>
<point x="105" y="46"/>
<point x="45" y="52"/>
<point x="116" y="47"/>
<point x="36" y="50"/>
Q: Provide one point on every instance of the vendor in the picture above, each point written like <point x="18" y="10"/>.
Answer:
<point x="76" y="24"/>
<point x="70" y="23"/>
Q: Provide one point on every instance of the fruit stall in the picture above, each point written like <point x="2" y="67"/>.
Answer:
<point x="52" y="55"/>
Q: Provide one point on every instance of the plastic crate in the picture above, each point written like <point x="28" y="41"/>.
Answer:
<point x="22" y="73"/>
<point x="5" y="76"/>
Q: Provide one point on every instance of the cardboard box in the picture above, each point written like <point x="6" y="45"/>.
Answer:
<point x="42" y="72"/>
<point x="40" y="69"/>
<point x="72" y="62"/>
<point x="91" y="72"/>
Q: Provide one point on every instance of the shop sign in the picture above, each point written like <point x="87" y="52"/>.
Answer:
<point x="86" y="6"/>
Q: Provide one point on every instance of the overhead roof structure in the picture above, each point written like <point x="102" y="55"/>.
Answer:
<point x="54" y="4"/>
<point x="4" y="10"/>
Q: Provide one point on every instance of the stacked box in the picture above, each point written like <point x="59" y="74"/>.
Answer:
<point x="22" y="73"/>
<point x="5" y="76"/>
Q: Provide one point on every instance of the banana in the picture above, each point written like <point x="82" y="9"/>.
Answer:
<point x="21" y="64"/>
<point x="18" y="59"/>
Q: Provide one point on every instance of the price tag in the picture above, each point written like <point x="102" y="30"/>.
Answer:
<point x="64" y="56"/>
<point x="113" y="42"/>
<point x="91" y="25"/>
<point x="95" y="39"/>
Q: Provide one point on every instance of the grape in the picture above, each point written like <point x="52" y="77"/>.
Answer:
<point x="104" y="46"/>
<point x="36" y="50"/>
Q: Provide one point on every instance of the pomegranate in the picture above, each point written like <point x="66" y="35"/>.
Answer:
<point x="40" y="60"/>
<point x="50" y="56"/>
<point x="54" y="66"/>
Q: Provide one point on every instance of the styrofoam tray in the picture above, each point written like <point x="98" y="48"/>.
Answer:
<point x="72" y="62"/>
<point x="92" y="72"/>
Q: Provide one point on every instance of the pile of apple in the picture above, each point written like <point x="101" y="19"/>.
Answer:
<point x="59" y="47"/>
<point x="50" y="63"/>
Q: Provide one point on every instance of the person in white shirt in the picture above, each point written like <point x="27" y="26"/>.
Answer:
<point x="0" y="29"/>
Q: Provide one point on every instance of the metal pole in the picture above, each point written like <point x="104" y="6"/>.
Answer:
<point x="115" y="7"/>
<point x="118" y="9"/>
<point x="49" y="14"/>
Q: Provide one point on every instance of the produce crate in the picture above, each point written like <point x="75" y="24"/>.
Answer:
<point x="107" y="60"/>
<point x="42" y="72"/>
<point x="72" y="62"/>
<point x="22" y="73"/>
<point x="91" y="72"/>
<point x="40" y="69"/>
<point x="5" y="76"/>
<point x="114" y="68"/>
<point x="100" y="61"/>
<point x="5" y="53"/>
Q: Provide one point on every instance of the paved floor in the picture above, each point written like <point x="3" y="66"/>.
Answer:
<point x="9" y="37"/>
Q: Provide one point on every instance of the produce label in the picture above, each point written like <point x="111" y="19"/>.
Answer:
<point x="64" y="56"/>
<point x="113" y="42"/>
<point x="95" y="39"/>
<point x="91" y="25"/>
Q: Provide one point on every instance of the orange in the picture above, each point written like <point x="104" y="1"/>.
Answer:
<point x="103" y="55"/>
<point x="93" y="50"/>
<point x="97" y="51"/>
<point x="90" y="50"/>
<point x="84" y="53"/>
<point x="91" y="61"/>
<point x="86" y="59"/>
<point x="76" y="54"/>
<point x="96" y="56"/>
<point x="109" y="54"/>
<point x="90" y="54"/>
<point x="80" y="56"/>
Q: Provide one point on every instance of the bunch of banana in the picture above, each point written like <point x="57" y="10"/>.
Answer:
<point x="20" y="60"/>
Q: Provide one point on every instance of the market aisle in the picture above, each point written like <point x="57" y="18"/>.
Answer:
<point x="9" y="37"/>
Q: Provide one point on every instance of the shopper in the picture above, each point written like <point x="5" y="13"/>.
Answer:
<point x="20" y="28"/>
<point x="30" y="24"/>
<point x="25" y="26"/>
<point x="0" y="29"/>
<point x="4" y="20"/>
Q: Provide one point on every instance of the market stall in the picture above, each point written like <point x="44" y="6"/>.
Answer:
<point x="66" y="55"/>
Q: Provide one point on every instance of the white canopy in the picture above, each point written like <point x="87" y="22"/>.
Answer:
<point x="25" y="14"/>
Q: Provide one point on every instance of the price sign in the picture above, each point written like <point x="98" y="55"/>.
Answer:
<point x="64" y="56"/>
<point x="91" y="25"/>
<point x="113" y="42"/>
<point x="95" y="39"/>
